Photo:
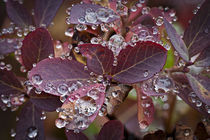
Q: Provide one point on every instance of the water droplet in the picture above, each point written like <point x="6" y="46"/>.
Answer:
<point x="81" y="20"/>
<point x="76" y="49"/>
<point x="143" y="124"/>
<point x="198" y="103"/>
<point x="145" y="10"/>
<point x="12" y="133"/>
<point x="60" y="123"/>
<point x="62" y="89"/>
<point x="93" y="93"/>
<point x="146" y="73"/>
<point x="69" y="32"/>
<point x="36" y="79"/>
<point x="187" y="132"/>
<point x="32" y="132"/>
<point x="114" y="94"/>
<point x="103" y="110"/>
<point x="133" y="8"/>
<point x="95" y="40"/>
<point x="159" y="21"/>
<point x="81" y="27"/>
<point x="91" y="17"/>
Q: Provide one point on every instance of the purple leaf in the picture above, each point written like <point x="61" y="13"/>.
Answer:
<point x="176" y="41"/>
<point x="37" y="46"/>
<point x="112" y="130"/>
<point x="30" y="126"/>
<point x="139" y="63"/>
<point x="203" y="59"/>
<point x="45" y="10"/>
<point x="83" y="105"/>
<point x="99" y="58"/>
<point x="18" y="13"/>
<point x="8" y="46"/>
<point x="91" y="14"/>
<point x="75" y="136"/>
<point x="197" y="34"/>
<point x="45" y="101"/>
<point x="188" y="95"/>
<point x="55" y="75"/>
<point x="9" y="84"/>
<point x="202" y="91"/>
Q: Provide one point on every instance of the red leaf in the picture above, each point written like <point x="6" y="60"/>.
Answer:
<point x="145" y="108"/>
<point x="139" y="63"/>
<point x="37" y="46"/>
<point x="197" y="34"/>
<point x="203" y="59"/>
<point x="202" y="91"/>
<point x="18" y="13"/>
<point x="82" y="106"/>
<point x="177" y="41"/>
<point x="29" y="125"/>
<point x="8" y="46"/>
<point x="79" y="14"/>
<point x="55" y="75"/>
<point x="112" y="130"/>
<point x="99" y="58"/>
<point x="45" y="101"/>
<point x="9" y="84"/>
<point x="75" y="136"/>
<point x="45" y="10"/>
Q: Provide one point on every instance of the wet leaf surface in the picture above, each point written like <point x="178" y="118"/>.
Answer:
<point x="8" y="46"/>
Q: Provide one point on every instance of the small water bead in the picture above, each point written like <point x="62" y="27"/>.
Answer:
<point x="69" y="32"/>
<point x="12" y="133"/>
<point x="121" y="9"/>
<point x="93" y="93"/>
<point x="62" y="89"/>
<point x="37" y="79"/>
<point x="207" y="109"/>
<point x="91" y="17"/>
<point x="143" y="124"/>
<point x="103" y="110"/>
<point x="81" y="27"/>
<point x="133" y="8"/>
<point x="145" y="10"/>
<point x="146" y="73"/>
<point x="32" y="132"/>
<point x="23" y="69"/>
<point x="103" y="14"/>
<point x="76" y="49"/>
<point x="5" y="99"/>
<point x="73" y="87"/>
<point x="43" y="117"/>
<point x="159" y="21"/>
<point x="63" y="98"/>
<point x="81" y="20"/>
<point x="60" y="123"/>
<point x="115" y="94"/>
<point x="198" y="103"/>
<point x="94" y="27"/>
<point x="95" y="40"/>
<point x="187" y="132"/>
<point x="68" y="20"/>
<point x="68" y="11"/>
<point x="104" y="27"/>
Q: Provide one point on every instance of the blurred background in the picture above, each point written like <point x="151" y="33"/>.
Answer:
<point x="169" y="110"/>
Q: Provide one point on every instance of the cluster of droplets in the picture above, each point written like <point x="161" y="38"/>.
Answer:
<point x="193" y="98"/>
<point x="12" y="101"/>
<point x="62" y="50"/>
<point x="4" y="66"/>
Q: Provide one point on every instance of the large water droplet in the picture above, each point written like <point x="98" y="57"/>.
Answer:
<point x="62" y="89"/>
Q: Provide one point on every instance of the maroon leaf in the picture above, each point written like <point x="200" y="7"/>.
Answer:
<point x="99" y="58"/>
<point x="9" y="84"/>
<point x="56" y="75"/>
<point x="37" y="46"/>
<point x="157" y="135"/>
<point x="8" y="46"/>
<point x="112" y="130"/>
<point x="18" y="13"/>
<point x="177" y="41"/>
<point x="188" y="95"/>
<point x="139" y="63"/>
<point x="203" y="59"/>
<point x="45" y="10"/>
<point x="197" y="35"/>
<point x="45" y="101"/>
<point x="30" y="126"/>
<point x="75" y="136"/>
<point x="83" y="105"/>
<point x="145" y="108"/>
<point x="90" y="14"/>
<point x="202" y="91"/>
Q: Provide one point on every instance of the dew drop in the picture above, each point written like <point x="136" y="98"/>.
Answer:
<point x="12" y="133"/>
<point x="93" y="93"/>
<point x="36" y="79"/>
<point x="146" y="73"/>
<point x="62" y="89"/>
<point x="60" y="123"/>
<point x="187" y="132"/>
<point x="143" y="124"/>
<point x="32" y="132"/>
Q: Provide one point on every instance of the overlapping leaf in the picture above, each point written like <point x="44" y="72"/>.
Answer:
<point x="203" y="59"/>
<point x="197" y="35"/>
<point x="75" y="136"/>
<point x="188" y="95"/>
<point x="112" y="130"/>
<point x="89" y="14"/>
<point x="8" y="46"/>
<point x="30" y="126"/>
<point x="45" y="101"/>
<point x="18" y="13"/>
<point x="9" y="84"/>
<point x="45" y="10"/>
<point x="37" y="46"/>
<point x="139" y="63"/>
<point x="56" y="72"/>
<point x="200" y="85"/>
<point x="99" y="58"/>
<point x="177" y="41"/>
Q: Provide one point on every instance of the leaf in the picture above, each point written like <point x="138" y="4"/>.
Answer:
<point x="203" y="59"/>
<point x="9" y="84"/>
<point x="157" y="135"/>
<point x="82" y="106"/>
<point x="177" y="41"/>
<point x="185" y="92"/>
<point x="78" y="13"/>
<point x="29" y="122"/>
<point x="57" y="73"/>
<point x="145" y="108"/>
<point x="139" y="63"/>
<point x="45" y="101"/>
<point x="197" y="34"/>
<point x="201" y="91"/>
<point x="18" y="13"/>
<point x="75" y="136"/>
<point x="99" y="58"/>
<point x="112" y="130"/>
<point x="37" y="46"/>
<point x="8" y="46"/>
<point x="45" y="11"/>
